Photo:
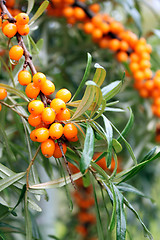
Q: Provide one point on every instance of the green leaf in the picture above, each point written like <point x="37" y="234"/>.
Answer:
<point x="111" y="90"/>
<point x="60" y="182"/>
<point x="109" y="109"/>
<point x="98" y="217"/>
<point x="20" y="197"/>
<point x="149" y="155"/>
<point x="86" y="180"/>
<point x="8" y="70"/>
<point x="86" y="101"/>
<point x="120" y="214"/>
<point x="33" y="205"/>
<point x="6" y="182"/>
<point x="35" y="48"/>
<point x="109" y="136"/>
<point x="28" y="225"/>
<point x="117" y="146"/>
<point x="7" y="228"/>
<point x="127" y="145"/>
<point x="128" y="125"/>
<point x="99" y="75"/>
<point x="88" y="150"/>
<point x="101" y="109"/>
<point x="146" y="231"/>
<point x="127" y="174"/>
<point x="39" y="12"/>
<point x="86" y="75"/>
<point x="113" y="200"/>
<point x="30" y="6"/>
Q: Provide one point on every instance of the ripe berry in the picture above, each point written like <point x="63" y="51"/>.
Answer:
<point x="74" y="139"/>
<point x="10" y="30"/>
<point x="41" y="134"/>
<point x="36" y="107"/>
<point x="79" y="13"/>
<point x="34" y="120"/>
<point x="64" y="94"/>
<point x="24" y="77"/>
<point x="22" y="19"/>
<point x="57" y="152"/>
<point x="114" y="44"/>
<point x="32" y="136"/>
<point x="58" y="105"/>
<point x="23" y="29"/>
<point x="88" y="27"/>
<point x="3" y="93"/>
<point x="47" y="148"/>
<point x="48" y="115"/>
<point x="16" y="52"/>
<point x="39" y="78"/>
<point x="70" y="130"/>
<point x="0" y="107"/>
<point x="63" y="115"/>
<point x="47" y="87"/>
<point x="32" y="91"/>
<point x="56" y="130"/>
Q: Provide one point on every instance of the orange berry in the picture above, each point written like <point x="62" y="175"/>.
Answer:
<point x="32" y="136"/>
<point x="94" y="7"/>
<point x="36" y="107"/>
<point x="34" y="120"/>
<point x="74" y="139"/>
<point x="32" y="91"/>
<point x="122" y="56"/>
<point x="149" y="84"/>
<point x="23" y="29"/>
<point x="139" y="75"/>
<point x="22" y="19"/>
<point x="104" y="42"/>
<point x="144" y="64"/>
<point x="97" y="20"/>
<point x="0" y="106"/>
<point x="47" y="87"/>
<point x="3" y="93"/>
<point x="39" y="78"/>
<point x="79" y="13"/>
<point x="68" y="12"/>
<point x="47" y="148"/>
<point x="144" y="93"/>
<point x="57" y="152"/>
<point x="58" y="105"/>
<point x="10" y="30"/>
<point x="48" y="115"/>
<point x="134" y="57"/>
<point x="24" y="77"/>
<point x="64" y="94"/>
<point x="97" y="33"/>
<point x="70" y="130"/>
<point x="104" y="27"/>
<point x="4" y="24"/>
<point x="116" y="27"/>
<point x="134" y="66"/>
<point x="124" y="45"/>
<point x="114" y="44"/>
<point x="10" y="3"/>
<point x="147" y="73"/>
<point x="41" y="134"/>
<point x="63" y="115"/>
<point x="157" y="81"/>
<point x="56" y="130"/>
<point x="88" y="27"/>
<point x="16" y="52"/>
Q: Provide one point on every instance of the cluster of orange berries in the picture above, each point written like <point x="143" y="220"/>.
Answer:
<point x="50" y="121"/>
<point x="111" y="34"/>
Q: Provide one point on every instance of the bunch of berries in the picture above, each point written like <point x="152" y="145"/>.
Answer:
<point x="111" y="34"/>
<point x="50" y="121"/>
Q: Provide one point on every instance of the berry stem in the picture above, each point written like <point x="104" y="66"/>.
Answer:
<point x="29" y="167"/>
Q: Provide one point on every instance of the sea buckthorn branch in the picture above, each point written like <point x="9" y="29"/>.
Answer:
<point x="111" y="34"/>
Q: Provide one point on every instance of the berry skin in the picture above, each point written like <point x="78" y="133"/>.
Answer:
<point x="23" y="29"/>
<point x="56" y="130"/>
<point x="58" y="105"/>
<point x="22" y="19"/>
<point x="114" y="44"/>
<point x="70" y="130"/>
<point x="63" y="115"/>
<point x="32" y="91"/>
<point x="48" y="115"/>
<point x="36" y="107"/>
<point x="57" y="152"/>
<point x="41" y="134"/>
<point x="47" y="87"/>
<point x="39" y="78"/>
<point x="10" y="30"/>
<point x="32" y="136"/>
<point x="34" y="120"/>
<point x="16" y="52"/>
<point x="0" y="107"/>
<point x="74" y="139"/>
<point x="47" y="148"/>
<point x="3" y="93"/>
<point x="24" y="77"/>
<point x="64" y="94"/>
